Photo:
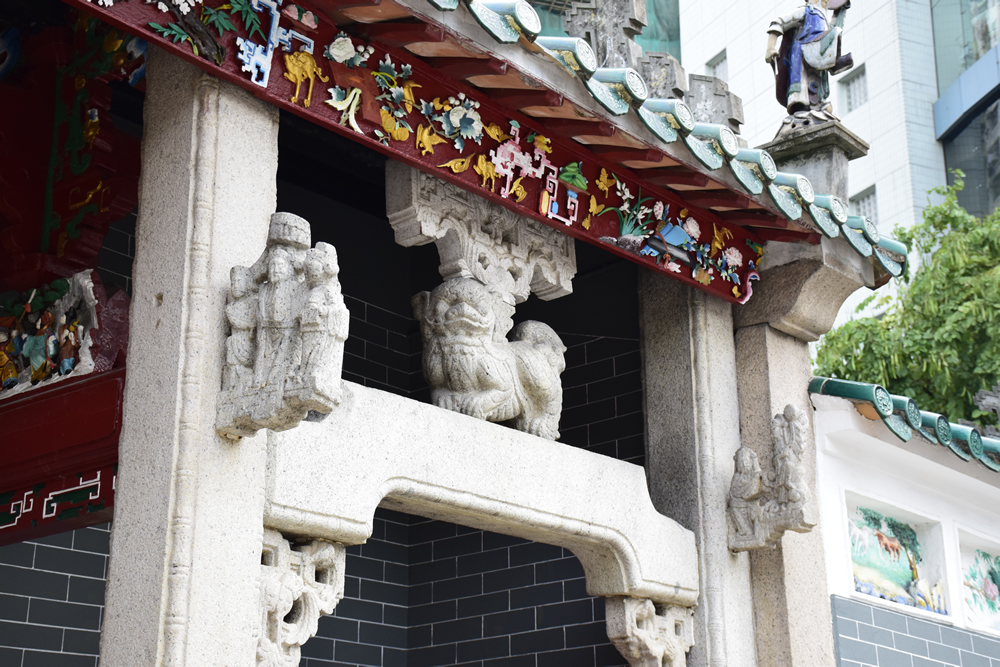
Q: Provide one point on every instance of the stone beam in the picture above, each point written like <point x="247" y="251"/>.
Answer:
<point x="325" y="479"/>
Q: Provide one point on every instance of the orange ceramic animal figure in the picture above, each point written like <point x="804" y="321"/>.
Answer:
<point x="889" y="544"/>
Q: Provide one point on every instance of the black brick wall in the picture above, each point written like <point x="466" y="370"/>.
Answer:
<point x="114" y="260"/>
<point x="52" y="599"/>
<point x="872" y="636"/>
<point x="426" y="593"/>
<point x="602" y="397"/>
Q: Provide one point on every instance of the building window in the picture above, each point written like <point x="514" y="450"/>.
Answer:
<point x="854" y="90"/>
<point x="865" y="205"/>
<point x="719" y="66"/>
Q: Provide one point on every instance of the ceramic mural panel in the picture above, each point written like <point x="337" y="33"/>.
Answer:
<point x="890" y="559"/>
<point x="981" y="586"/>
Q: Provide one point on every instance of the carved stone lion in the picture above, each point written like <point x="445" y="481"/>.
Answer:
<point x="472" y="368"/>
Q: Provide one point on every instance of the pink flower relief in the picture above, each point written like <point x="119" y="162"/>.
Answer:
<point x="734" y="258"/>
<point x="990" y="590"/>
<point x="673" y="266"/>
<point x="692" y="228"/>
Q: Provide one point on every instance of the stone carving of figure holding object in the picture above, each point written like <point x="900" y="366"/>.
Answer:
<point x="288" y="323"/>
<point x="810" y="52"/>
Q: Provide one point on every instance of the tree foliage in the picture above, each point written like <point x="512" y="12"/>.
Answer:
<point x="872" y="518"/>
<point x="938" y="341"/>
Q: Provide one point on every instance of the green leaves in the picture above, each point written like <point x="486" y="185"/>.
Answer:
<point x="250" y="19"/>
<point x="938" y="342"/>
<point x="216" y="18"/>
<point x="171" y="31"/>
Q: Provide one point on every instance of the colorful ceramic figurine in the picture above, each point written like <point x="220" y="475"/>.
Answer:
<point x="69" y="341"/>
<point x="40" y="348"/>
<point x="8" y="369"/>
<point x="810" y="52"/>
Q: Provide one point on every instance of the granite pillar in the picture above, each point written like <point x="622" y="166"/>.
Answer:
<point x="186" y="542"/>
<point x="801" y="289"/>
<point x="692" y="433"/>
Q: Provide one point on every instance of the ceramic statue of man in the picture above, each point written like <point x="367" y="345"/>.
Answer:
<point x="809" y="53"/>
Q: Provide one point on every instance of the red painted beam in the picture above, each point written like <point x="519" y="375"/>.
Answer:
<point x="464" y="68"/>
<point x="519" y="99"/>
<point x="564" y="127"/>
<point x="709" y="198"/>
<point x="82" y="422"/>
<point x="393" y="33"/>
<point x="670" y="176"/>
<point x="786" y="236"/>
<point x="447" y="161"/>
<point x="754" y="219"/>
<point x="334" y="5"/>
<point x="624" y="154"/>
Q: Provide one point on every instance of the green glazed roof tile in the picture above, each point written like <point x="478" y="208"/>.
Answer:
<point x="902" y="416"/>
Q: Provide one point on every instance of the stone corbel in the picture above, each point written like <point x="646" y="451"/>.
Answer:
<point x="288" y="324"/>
<point x="762" y="507"/>
<point x="648" y="635"/>
<point x="509" y="254"/>
<point x="299" y="583"/>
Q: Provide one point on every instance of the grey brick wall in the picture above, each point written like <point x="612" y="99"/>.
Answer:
<point x="870" y="636"/>
<point x="52" y="599"/>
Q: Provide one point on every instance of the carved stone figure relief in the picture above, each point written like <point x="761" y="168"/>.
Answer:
<point x="647" y="635"/>
<point x="491" y="259"/>
<point x="299" y="583"/>
<point x="288" y="324"/>
<point x="762" y="507"/>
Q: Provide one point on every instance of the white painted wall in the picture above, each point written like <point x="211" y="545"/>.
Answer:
<point x="858" y="456"/>
<point x="893" y="40"/>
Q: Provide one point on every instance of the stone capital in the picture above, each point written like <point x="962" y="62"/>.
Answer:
<point x="802" y="287"/>
<point x="812" y="138"/>
<point x="511" y="255"/>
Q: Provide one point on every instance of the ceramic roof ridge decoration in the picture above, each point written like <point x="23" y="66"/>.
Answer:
<point x="905" y="419"/>
<point x="392" y="88"/>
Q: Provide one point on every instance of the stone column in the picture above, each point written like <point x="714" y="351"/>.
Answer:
<point x="692" y="433"/>
<point x="186" y="540"/>
<point x="800" y="291"/>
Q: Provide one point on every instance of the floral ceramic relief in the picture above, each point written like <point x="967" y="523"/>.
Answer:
<point x="981" y="588"/>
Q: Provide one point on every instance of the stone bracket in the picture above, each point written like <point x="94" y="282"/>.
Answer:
<point x="288" y="324"/>
<point x="299" y="582"/>
<point x="649" y="635"/>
